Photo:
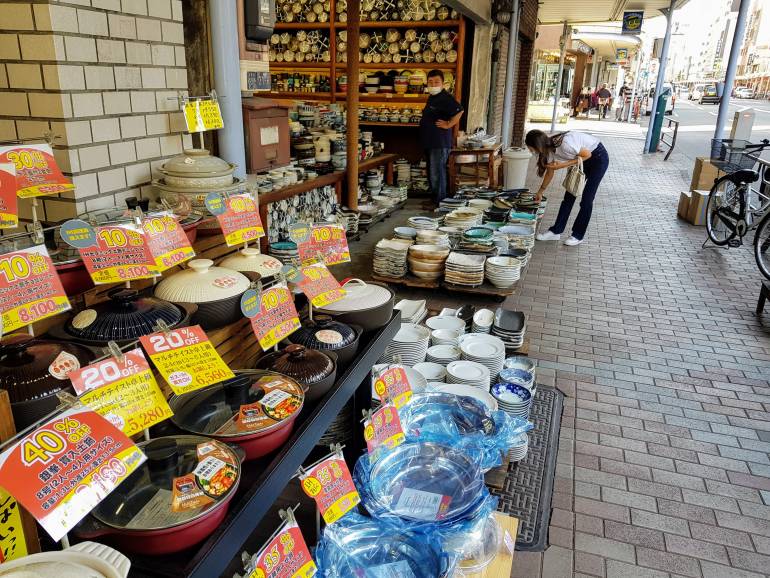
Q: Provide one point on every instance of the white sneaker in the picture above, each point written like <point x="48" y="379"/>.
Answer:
<point x="572" y="241"/>
<point x="548" y="236"/>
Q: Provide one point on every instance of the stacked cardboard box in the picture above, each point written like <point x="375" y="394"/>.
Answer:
<point x="692" y="204"/>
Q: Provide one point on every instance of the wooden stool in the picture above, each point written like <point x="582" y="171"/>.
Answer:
<point x="764" y="295"/>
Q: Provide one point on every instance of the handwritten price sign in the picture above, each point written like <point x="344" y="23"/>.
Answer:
<point x="36" y="170"/>
<point x="319" y="285"/>
<point x="13" y="544"/>
<point x="285" y="556"/>
<point x="123" y="391"/>
<point x="167" y="241"/>
<point x="9" y="205"/>
<point x="30" y="289"/>
<point x="67" y="466"/>
<point x="277" y="317"/>
<point x="202" y="115"/>
<point x="328" y="241"/>
<point x="186" y="359"/>
<point x="331" y="486"/>
<point x="393" y="385"/>
<point x="383" y="431"/>
<point x="238" y="216"/>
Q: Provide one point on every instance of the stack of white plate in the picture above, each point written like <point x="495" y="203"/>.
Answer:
<point x="503" y="272"/>
<point x="443" y="354"/>
<point x="412" y="311"/>
<point x="518" y="452"/>
<point x="424" y="223"/>
<point x="462" y="269"/>
<point x="439" y="322"/>
<point x="466" y="390"/>
<point x="445" y="336"/>
<point x="431" y="371"/>
<point x="482" y="321"/>
<point x="487" y="350"/>
<point x="390" y="257"/>
<point x="468" y="373"/>
<point x="513" y="399"/>
<point x="407" y="233"/>
<point x="410" y="343"/>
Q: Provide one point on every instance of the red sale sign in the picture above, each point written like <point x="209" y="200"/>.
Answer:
<point x="319" y="285"/>
<point x="277" y="317"/>
<point x="30" y="288"/>
<point x="36" y="170"/>
<point x="393" y="385"/>
<point x="167" y="241"/>
<point x="285" y="556"/>
<point x="238" y="216"/>
<point x="330" y="484"/>
<point x="64" y="468"/>
<point x="121" y="253"/>
<point x="327" y="241"/>
<point x="9" y="209"/>
<point x="382" y="431"/>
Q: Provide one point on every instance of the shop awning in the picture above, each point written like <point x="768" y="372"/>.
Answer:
<point x="606" y="43"/>
<point x="553" y="11"/>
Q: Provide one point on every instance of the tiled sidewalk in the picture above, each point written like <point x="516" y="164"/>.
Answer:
<point x="663" y="460"/>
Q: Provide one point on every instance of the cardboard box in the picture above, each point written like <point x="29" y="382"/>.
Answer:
<point x="684" y="205"/>
<point x="703" y="174"/>
<point x="697" y="210"/>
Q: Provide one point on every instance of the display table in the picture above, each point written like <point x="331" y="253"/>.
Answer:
<point x="493" y="156"/>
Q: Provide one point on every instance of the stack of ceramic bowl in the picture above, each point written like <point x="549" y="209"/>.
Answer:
<point x="433" y="238"/>
<point x="411" y="343"/>
<point x="445" y="336"/>
<point x="503" y="272"/>
<point x="465" y="217"/>
<point x="510" y="326"/>
<point x="427" y="261"/>
<point x="349" y="220"/>
<point x="443" y="354"/>
<point x="518" y="376"/>
<point x="518" y="450"/>
<point x="482" y="321"/>
<point x="525" y="363"/>
<point x="455" y="234"/>
<point x="442" y="322"/>
<point x="425" y="223"/>
<point x="412" y="311"/>
<point x="385" y="201"/>
<point x="519" y="236"/>
<point x="407" y="233"/>
<point x="467" y="270"/>
<point x="449" y="204"/>
<point x="487" y="350"/>
<point x="517" y="253"/>
<point x="468" y="373"/>
<point x="285" y="252"/>
<point x="467" y="391"/>
<point x="482" y="204"/>
<point x="390" y="257"/>
<point x="478" y="238"/>
<point x="432" y="372"/>
<point x="513" y="399"/>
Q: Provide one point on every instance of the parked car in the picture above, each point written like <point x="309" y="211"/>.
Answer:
<point x="696" y="92"/>
<point x="710" y="95"/>
<point x="684" y="92"/>
<point x="744" y="92"/>
<point x="667" y="89"/>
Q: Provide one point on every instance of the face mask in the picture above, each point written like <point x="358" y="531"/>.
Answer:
<point x="434" y="90"/>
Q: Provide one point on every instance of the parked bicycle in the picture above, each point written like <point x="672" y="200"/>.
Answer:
<point x="735" y="207"/>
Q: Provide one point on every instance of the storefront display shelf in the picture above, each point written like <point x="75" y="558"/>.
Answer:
<point x="378" y="123"/>
<point x="264" y="479"/>
<point x="403" y="24"/>
<point x="302" y="95"/>
<point x="301" y="26"/>
<point x="387" y="98"/>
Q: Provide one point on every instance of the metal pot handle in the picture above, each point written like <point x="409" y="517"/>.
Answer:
<point x="359" y="281"/>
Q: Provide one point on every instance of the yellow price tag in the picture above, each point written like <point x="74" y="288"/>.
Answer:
<point x="202" y="115"/>
<point x="12" y="542"/>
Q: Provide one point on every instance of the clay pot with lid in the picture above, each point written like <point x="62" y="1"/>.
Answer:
<point x="316" y="370"/>
<point x="252" y="260"/>
<point x="326" y="334"/>
<point x="33" y="371"/>
<point x="197" y="169"/>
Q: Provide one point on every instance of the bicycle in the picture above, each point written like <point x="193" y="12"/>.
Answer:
<point x="734" y="207"/>
<point x="604" y="104"/>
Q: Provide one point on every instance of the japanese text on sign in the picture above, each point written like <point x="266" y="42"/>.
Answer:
<point x="30" y="288"/>
<point x="285" y="556"/>
<point x="277" y="317"/>
<point x="9" y="206"/>
<point x="393" y="385"/>
<point x="12" y="542"/>
<point x="123" y="391"/>
<point x="238" y="216"/>
<point x="327" y="241"/>
<point x="36" y="170"/>
<point x="202" y="115"/>
<point x="186" y="358"/>
<point x="383" y="431"/>
<point x="319" y="285"/>
<point x="167" y="241"/>
<point x="65" y="467"/>
<point x="330" y="484"/>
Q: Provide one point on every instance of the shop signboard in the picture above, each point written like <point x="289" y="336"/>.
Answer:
<point x="272" y="313"/>
<point x="330" y="484"/>
<point x="167" y="241"/>
<point x="632" y="21"/>
<point x="9" y="205"/>
<point x="328" y="242"/>
<point x="621" y="55"/>
<point x="37" y="173"/>
<point x="238" y="216"/>
<point x="319" y="285"/>
<point x="202" y="115"/>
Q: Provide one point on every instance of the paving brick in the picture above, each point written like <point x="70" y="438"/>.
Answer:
<point x="710" y="501"/>
<point x="638" y="536"/>
<point x="711" y="570"/>
<point x="617" y="569"/>
<point x="557" y="562"/>
<point x="654" y="489"/>
<point x="678" y="480"/>
<point x="589" y="564"/>
<point x="604" y="510"/>
<point x="749" y="480"/>
<point x="667" y="524"/>
<point x="687" y="511"/>
<point x="604" y="547"/>
<point x="737" y="492"/>
<point x="745" y="523"/>
<point x="709" y="533"/>
<point x="527" y="565"/>
<point x="668" y="562"/>
<point x="601" y="478"/>
<point x="749" y="560"/>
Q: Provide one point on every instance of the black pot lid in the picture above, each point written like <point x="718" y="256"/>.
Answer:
<point x="123" y="317"/>
<point x="184" y="478"/>
<point x="323" y="332"/>
<point x="253" y="402"/>
<point x="299" y="362"/>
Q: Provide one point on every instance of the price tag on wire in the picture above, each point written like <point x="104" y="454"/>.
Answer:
<point x="123" y="390"/>
<point x="202" y="115"/>
<point x="64" y="468"/>
<point x="286" y="555"/>
<point x="393" y="385"/>
<point x="167" y="241"/>
<point x="238" y="216"/>
<point x="275" y="318"/>
<point x="382" y="430"/>
<point x="330" y="484"/>
<point x="319" y="285"/>
<point x="37" y="173"/>
<point x="112" y="253"/>
<point x="30" y="288"/>
<point x="328" y="241"/>
<point x="9" y="204"/>
<point x="186" y="358"/>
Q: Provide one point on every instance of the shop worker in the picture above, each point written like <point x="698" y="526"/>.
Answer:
<point x="440" y="115"/>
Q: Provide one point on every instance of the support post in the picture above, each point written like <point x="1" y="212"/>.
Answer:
<point x="732" y="64"/>
<point x="227" y="82"/>
<point x="351" y="101"/>
<point x="510" y="68"/>
<point x="562" y="53"/>
<point x="595" y="71"/>
<point x="669" y="14"/>
<point x="639" y="58"/>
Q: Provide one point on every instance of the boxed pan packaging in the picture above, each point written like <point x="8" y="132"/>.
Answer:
<point x="703" y="174"/>
<point x="697" y="209"/>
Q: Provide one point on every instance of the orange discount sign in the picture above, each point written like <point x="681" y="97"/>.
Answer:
<point x="277" y="317"/>
<point x="167" y="241"/>
<point x="36" y="170"/>
<point x="285" y="556"/>
<point x="64" y="468"/>
<point x="328" y="241"/>
<point x="319" y="285"/>
<point x="382" y="431"/>
<point x="9" y="205"/>
<point x="119" y="253"/>
<point x="238" y="216"/>
<point x="393" y="385"/>
<point x="330" y="484"/>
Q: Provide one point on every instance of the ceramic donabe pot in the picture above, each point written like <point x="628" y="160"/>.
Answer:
<point x="251" y="260"/>
<point x="325" y="334"/>
<point x="217" y="292"/>
<point x="315" y="369"/>
<point x="197" y="169"/>
<point x="369" y="305"/>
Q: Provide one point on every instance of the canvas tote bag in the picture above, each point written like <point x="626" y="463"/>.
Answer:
<point x="575" y="181"/>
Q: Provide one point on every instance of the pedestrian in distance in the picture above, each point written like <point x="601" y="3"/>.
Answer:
<point x="605" y="100"/>
<point x="560" y="151"/>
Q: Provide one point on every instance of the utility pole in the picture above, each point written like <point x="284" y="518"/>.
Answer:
<point x="668" y="13"/>
<point x="732" y="64"/>
<point x="513" y="38"/>
<point x="562" y="54"/>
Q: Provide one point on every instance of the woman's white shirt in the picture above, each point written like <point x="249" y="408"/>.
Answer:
<point x="572" y="143"/>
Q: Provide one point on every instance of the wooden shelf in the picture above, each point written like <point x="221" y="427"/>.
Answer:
<point x="387" y="98"/>
<point x="302" y="65"/>
<point x="393" y="124"/>
<point x="403" y="24"/>
<point x="301" y="95"/>
<point x="401" y="65"/>
<point x="302" y="25"/>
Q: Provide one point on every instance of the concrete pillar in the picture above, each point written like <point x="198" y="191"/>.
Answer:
<point x="732" y="64"/>
<point x="510" y="67"/>
<point x="562" y="54"/>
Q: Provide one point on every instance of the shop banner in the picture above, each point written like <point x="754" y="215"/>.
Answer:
<point x="238" y="216"/>
<point x="123" y="391"/>
<point x="186" y="358"/>
<point x="621" y="55"/>
<point x="9" y="204"/>
<point x="36" y="170"/>
<point x="276" y="318"/>
<point x="632" y="21"/>
<point x="393" y="385"/>
<point x="319" y="285"/>
<point x="30" y="289"/>
<point x="327" y="242"/>
<point x="330" y="484"/>
<point x="202" y="115"/>
<point x="112" y="253"/>
<point x="167" y="241"/>
<point x="13" y="543"/>
<point x="383" y="431"/>
<point x="285" y="556"/>
<point x="67" y="466"/>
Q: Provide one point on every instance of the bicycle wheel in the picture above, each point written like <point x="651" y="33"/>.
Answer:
<point x="762" y="246"/>
<point x="725" y="211"/>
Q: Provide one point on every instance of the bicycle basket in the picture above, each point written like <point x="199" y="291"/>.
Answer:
<point x="730" y="155"/>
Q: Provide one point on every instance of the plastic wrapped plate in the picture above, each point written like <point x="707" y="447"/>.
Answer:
<point x="446" y="413"/>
